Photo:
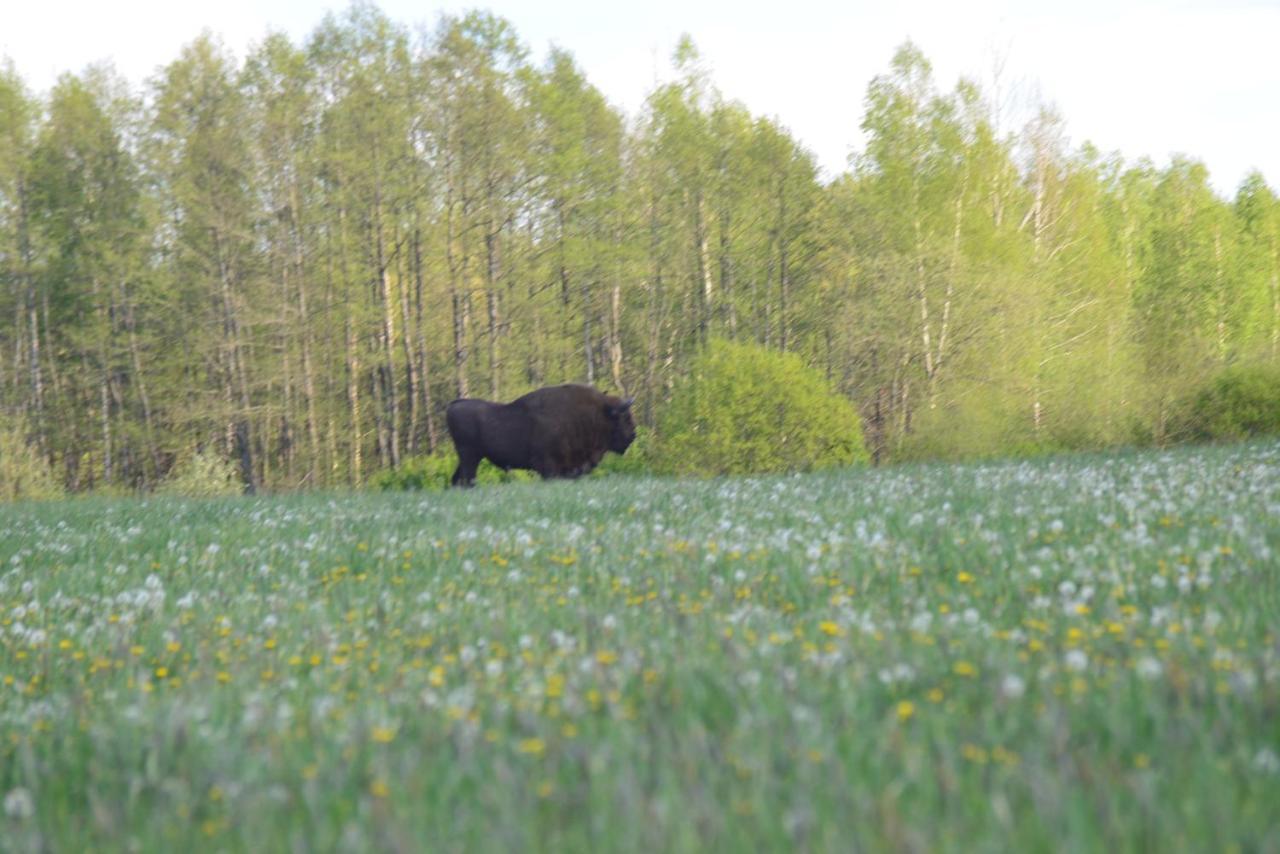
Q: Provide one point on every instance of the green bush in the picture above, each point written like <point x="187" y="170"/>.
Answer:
<point x="743" y="409"/>
<point x="1238" y="403"/>
<point x="202" y="475"/>
<point x="24" y="473"/>
<point x="432" y="472"/>
<point x="636" y="461"/>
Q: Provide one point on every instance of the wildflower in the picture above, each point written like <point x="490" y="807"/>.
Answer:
<point x="18" y="804"/>
<point x="1266" y="761"/>
<point x="605" y="656"/>
<point x="532" y="746"/>
<point x="379" y="789"/>
<point x="964" y="668"/>
<point x="906" y="709"/>
<point x="1012" y="686"/>
<point x="964" y="577"/>
<point x="383" y="734"/>
<point x="831" y="629"/>
<point x="1076" y="659"/>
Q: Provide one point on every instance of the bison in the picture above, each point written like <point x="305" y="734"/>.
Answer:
<point x="558" y="431"/>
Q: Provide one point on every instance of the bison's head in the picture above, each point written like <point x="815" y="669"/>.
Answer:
<point x="622" y="429"/>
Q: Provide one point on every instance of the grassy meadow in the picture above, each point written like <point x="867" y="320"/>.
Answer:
<point x="1074" y="653"/>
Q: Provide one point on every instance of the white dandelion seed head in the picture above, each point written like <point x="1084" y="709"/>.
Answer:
<point x="1012" y="686"/>
<point x="18" y="804"/>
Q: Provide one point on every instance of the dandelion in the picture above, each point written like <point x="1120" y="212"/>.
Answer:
<point x="1012" y="686"/>
<point x="383" y="734"/>
<point x="1076" y="660"/>
<point x="532" y="746"/>
<point x="964" y="668"/>
<point x="1266" y="761"/>
<point x="906" y="709"/>
<point x="18" y="804"/>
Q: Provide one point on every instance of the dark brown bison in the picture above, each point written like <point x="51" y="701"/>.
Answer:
<point x="558" y="431"/>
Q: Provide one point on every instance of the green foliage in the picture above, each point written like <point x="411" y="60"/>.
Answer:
<point x="202" y="475"/>
<point x="1239" y="403"/>
<point x="637" y="461"/>
<point x="744" y="409"/>
<point x="431" y="472"/>
<point x="24" y="473"/>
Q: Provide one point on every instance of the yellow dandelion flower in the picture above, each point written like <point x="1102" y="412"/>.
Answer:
<point x="383" y="734"/>
<point x="906" y="709"/>
<point x="964" y="577"/>
<point x="964" y="668"/>
<point x="162" y="672"/>
<point x="379" y="789"/>
<point x="532" y="746"/>
<point x="605" y="656"/>
<point x="830" y="628"/>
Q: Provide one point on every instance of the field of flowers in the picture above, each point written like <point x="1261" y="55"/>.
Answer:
<point x="1074" y="653"/>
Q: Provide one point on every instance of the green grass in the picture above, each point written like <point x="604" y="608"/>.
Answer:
<point x="1068" y="654"/>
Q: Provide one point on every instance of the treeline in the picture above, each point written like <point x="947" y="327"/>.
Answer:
<point x="295" y="261"/>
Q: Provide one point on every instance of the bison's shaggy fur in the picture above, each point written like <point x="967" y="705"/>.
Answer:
<point x="558" y="431"/>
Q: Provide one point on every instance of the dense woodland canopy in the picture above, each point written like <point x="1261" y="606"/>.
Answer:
<point x="296" y="260"/>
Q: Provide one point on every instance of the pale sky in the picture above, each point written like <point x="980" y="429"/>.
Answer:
<point x="1143" y="78"/>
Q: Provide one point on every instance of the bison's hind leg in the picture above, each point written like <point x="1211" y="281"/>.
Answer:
<point x="465" y="473"/>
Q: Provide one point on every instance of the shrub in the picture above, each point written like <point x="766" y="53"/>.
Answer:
<point x="743" y="409"/>
<point x="24" y="473"/>
<point x="202" y="475"/>
<point x="432" y="472"/>
<point x="636" y="461"/>
<point x="1238" y="403"/>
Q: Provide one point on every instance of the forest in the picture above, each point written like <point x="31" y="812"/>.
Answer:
<point x="296" y="259"/>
